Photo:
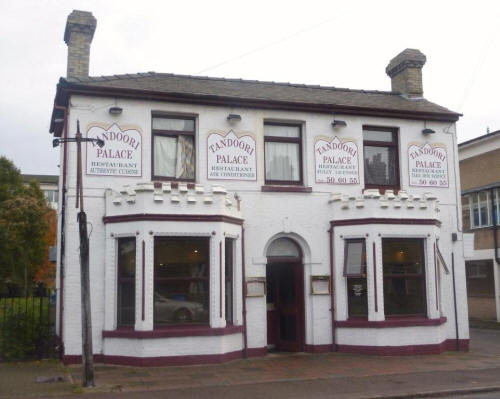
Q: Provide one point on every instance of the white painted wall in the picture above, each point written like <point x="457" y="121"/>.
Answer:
<point x="302" y="216"/>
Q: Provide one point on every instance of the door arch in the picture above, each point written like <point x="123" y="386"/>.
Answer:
<point x="285" y="295"/>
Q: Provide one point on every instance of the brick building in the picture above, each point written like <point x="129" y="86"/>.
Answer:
<point x="480" y="176"/>
<point x="233" y="217"/>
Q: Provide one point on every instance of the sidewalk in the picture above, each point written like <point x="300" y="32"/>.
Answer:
<point x="353" y="376"/>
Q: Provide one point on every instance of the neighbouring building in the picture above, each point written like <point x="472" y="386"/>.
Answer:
<point x="232" y="217"/>
<point x="480" y="176"/>
<point x="49" y="186"/>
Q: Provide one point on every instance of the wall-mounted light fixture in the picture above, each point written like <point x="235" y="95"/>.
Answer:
<point x="339" y="123"/>
<point x="427" y="130"/>
<point x="115" y="110"/>
<point x="234" y="118"/>
<point x="56" y="142"/>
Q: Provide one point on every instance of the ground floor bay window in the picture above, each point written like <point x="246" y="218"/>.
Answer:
<point x="181" y="271"/>
<point x="404" y="276"/>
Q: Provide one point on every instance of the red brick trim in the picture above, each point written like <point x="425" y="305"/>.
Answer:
<point x="137" y="217"/>
<point x="390" y="323"/>
<point x="166" y="360"/>
<point x="184" y="331"/>
<point x="351" y="222"/>
<point x="318" y="348"/>
<point x="407" y="350"/>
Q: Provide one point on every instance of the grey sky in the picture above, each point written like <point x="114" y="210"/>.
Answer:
<point x="332" y="43"/>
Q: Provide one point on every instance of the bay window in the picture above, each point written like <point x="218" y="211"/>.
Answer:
<point x="283" y="153"/>
<point x="181" y="270"/>
<point x="355" y="273"/>
<point x="126" y="282"/>
<point x="380" y="147"/>
<point x="404" y="276"/>
<point x="173" y="156"/>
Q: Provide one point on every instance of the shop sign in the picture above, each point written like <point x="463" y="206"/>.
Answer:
<point x="336" y="160"/>
<point x="121" y="154"/>
<point x="428" y="165"/>
<point x="231" y="156"/>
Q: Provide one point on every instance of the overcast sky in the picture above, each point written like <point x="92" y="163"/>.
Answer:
<point x="331" y="43"/>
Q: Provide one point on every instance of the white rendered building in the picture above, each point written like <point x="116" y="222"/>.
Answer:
<point x="233" y="217"/>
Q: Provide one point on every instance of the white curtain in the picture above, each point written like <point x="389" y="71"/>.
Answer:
<point x="282" y="161"/>
<point x="174" y="156"/>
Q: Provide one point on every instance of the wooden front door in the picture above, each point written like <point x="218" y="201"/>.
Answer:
<point x="285" y="306"/>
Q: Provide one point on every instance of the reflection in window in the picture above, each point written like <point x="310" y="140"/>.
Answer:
<point x="380" y="157"/>
<point x="404" y="276"/>
<point x="181" y="292"/>
<point x="355" y="271"/>
<point x="126" y="282"/>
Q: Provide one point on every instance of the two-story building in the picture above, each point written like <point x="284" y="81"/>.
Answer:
<point x="232" y="217"/>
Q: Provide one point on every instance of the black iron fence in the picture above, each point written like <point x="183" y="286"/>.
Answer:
<point x="27" y="326"/>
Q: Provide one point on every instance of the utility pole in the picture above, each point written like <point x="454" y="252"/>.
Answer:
<point x="87" y="355"/>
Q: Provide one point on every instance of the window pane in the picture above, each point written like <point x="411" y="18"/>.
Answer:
<point x="174" y="156"/>
<point x="355" y="257"/>
<point x="229" y="279"/>
<point x="404" y="276"/>
<point x="475" y="210"/>
<point x="185" y="125"/>
<point x="181" y="280"/>
<point x="283" y="247"/>
<point x="282" y="161"/>
<point x="126" y="282"/>
<point x="357" y="298"/>
<point x="376" y="135"/>
<point x="480" y="280"/>
<point x="282" y="131"/>
<point x="483" y="208"/>
<point x="466" y="212"/>
<point x="380" y="165"/>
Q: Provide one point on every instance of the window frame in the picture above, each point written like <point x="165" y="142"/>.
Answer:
<point x="473" y="198"/>
<point x="172" y="133"/>
<point x="404" y="276"/>
<point x="363" y="266"/>
<point x="386" y="144"/>
<point x="349" y="277"/>
<point x="120" y="280"/>
<point x="206" y="279"/>
<point x="290" y="140"/>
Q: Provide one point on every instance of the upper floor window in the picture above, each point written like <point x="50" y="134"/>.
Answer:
<point x="283" y="153"/>
<point x="173" y="155"/>
<point x="380" y="147"/>
<point x="480" y="209"/>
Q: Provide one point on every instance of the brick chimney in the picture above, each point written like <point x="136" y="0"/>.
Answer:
<point x="80" y="28"/>
<point x="405" y="71"/>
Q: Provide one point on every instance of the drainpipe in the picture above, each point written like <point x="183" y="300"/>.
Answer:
<point x="332" y="285"/>
<point x="495" y="226"/>
<point x="243" y="291"/>
<point x="63" y="223"/>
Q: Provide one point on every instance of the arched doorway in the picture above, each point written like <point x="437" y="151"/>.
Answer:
<point x="285" y="296"/>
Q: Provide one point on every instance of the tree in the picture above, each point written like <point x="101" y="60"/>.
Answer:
<point x="24" y="224"/>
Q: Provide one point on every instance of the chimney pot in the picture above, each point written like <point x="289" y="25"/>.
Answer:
<point x="80" y="28"/>
<point x="405" y="71"/>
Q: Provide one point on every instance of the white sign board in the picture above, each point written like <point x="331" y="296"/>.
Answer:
<point x="121" y="154"/>
<point x="428" y="165"/>
<point x="336" y="160"/>
<point x="231" y="156"/>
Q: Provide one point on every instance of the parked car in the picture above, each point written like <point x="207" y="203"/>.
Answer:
<point x="169" y="310"/>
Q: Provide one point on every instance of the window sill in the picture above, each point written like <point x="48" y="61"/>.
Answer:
<point x="286" y="189"/>
<point x="383" y="189"/>
<point x="181" y="331"/>
<point x="389" y="323"/>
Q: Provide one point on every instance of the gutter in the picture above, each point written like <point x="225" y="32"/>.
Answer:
<point x="63" y="223"/>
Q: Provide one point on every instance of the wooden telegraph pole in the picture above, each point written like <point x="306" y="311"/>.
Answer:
<point x="87" y="355"/>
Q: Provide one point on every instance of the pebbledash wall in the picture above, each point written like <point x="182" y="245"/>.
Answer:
<point x="318" y="216"/>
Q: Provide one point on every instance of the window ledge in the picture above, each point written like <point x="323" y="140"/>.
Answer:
<point x="184" y="331"/>
<point x="389" y="323"/>
<point x="286" y="189"/>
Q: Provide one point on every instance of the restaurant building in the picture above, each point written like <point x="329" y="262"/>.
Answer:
<point x="230" y="218"/>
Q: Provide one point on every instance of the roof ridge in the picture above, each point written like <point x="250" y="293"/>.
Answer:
<point x="140" y="75"/>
